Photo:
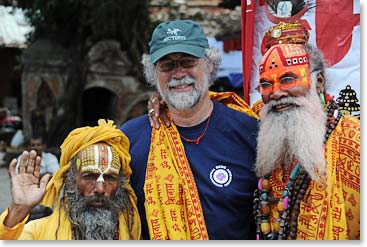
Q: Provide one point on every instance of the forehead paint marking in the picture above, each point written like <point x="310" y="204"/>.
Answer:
<point x="289" y="56"/>
<point x="304" y="76"/>
<point x="101" y="163"/>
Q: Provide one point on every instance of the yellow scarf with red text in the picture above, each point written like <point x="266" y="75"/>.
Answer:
<point x="172" y="202"/>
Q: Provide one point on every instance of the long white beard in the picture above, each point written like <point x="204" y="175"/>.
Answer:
<point x="183" y="100"/>
<point x="294" y="134"/>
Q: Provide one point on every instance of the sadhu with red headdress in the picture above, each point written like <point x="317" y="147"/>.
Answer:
<point x="308" y="153"/>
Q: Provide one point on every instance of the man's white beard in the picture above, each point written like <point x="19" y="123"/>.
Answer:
<point x="294" y="134"/>
<point x="183" y="100"/>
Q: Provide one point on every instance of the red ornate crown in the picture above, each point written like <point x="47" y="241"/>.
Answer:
<point x="285" y="32"/>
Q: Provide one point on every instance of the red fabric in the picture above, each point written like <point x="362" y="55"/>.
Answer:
<point x="247" y="35"/>
<point x="9" y="120"/>
<point x="334" y="27"/>
<point x="232" y="45"/>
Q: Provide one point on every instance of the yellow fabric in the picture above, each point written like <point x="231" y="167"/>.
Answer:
<point x="332" y="212"/>
<point x="172" y="202"/>
<point x="54" y="227"/>
<point x="233" y="101"/>
<point x="77" y="140"/>
<point x="256" y="107"/>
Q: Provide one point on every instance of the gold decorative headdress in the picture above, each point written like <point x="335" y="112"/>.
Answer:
<point x="285" y="33"/>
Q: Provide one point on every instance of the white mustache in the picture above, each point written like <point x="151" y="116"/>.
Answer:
<point x="180" y="82"/>
<point x="298" y="101"/>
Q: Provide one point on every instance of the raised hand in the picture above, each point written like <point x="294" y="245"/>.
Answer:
<point x="27" y="187"/>
<point x="155" y="108"/>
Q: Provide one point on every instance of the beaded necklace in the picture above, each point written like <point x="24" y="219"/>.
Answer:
<point x="197" y="140"/>
<point x="288" y="205"/>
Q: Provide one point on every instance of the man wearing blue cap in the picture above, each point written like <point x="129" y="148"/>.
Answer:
<point x="193" y="179"/>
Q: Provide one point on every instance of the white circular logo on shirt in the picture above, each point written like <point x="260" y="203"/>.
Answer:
<point x="221" y="176"/>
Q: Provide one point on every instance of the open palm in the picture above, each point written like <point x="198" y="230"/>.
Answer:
<point x="27" y="187"/>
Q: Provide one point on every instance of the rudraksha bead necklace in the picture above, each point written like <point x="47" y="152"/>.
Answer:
<point x="288" y="205"/>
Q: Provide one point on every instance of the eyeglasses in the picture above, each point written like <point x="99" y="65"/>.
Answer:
<point x="167" y="65"/>
<point x="284" y="83"/>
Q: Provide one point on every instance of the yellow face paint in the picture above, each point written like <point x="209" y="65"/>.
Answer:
<point x="98" y="158"/>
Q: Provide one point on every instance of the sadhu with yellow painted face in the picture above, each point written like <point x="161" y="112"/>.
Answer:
<point x="90" y="193"/>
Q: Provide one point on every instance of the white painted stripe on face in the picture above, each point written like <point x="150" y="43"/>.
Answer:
<point x="100" y="177"/>
<point x="96" y="156"/>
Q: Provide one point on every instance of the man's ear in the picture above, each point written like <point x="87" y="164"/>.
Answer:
<point x="320" y="82"/>
<point x="211" y="67"/>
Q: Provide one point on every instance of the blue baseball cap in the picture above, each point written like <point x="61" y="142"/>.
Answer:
<point x="177" y="36"/>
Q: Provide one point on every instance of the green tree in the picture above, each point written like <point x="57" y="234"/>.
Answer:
<point x="77" y="25"/>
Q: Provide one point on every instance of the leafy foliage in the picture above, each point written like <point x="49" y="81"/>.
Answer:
<point x="91" y="20"/>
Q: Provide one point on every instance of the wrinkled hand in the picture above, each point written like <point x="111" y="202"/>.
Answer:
<point x="156" y="108"/>
<point x="27" y="187"/>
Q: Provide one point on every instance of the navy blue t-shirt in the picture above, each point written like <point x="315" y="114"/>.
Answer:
<point x="222" y="165"/>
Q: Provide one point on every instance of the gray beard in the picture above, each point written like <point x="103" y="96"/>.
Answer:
<point x="184" y="100"/>
<point x="296" y="134"/>
<point x="95" y="223"/>
<point x="90" y="223"/>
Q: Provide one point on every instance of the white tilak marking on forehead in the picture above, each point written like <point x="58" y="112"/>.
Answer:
<point x="96" y="161"/>
<point x="109" y="163"/>
<point x="96" y="156"/>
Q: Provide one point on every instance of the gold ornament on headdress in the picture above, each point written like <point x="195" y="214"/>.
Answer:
<point x="285" y="33"/>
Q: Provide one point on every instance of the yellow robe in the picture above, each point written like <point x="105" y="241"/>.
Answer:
<point x="54" y="227"/>
<point x="332" y="211"/>
<point x="172" y="202"/>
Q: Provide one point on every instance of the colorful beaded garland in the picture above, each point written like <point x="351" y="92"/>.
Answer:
<point x="288" y="205"/>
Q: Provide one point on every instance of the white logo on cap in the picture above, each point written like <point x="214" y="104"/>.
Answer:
<point x="221" y="176"/>
<point x="173" y="31"/>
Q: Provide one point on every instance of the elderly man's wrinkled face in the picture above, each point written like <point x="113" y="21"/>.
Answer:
<point x="182" y="79"/>
<point x="98" y="196"/>
<point x="97" y="173"/>
<point x="292" y="113"/>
